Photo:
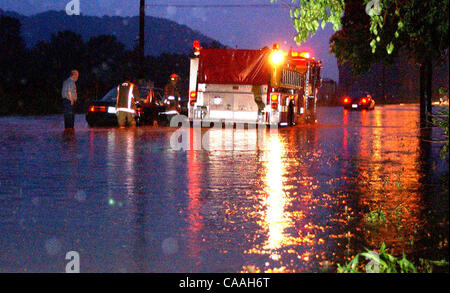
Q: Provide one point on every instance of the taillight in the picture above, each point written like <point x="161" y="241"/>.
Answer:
<point x="97" y="109"/>
<point x="274" y="98"/>
<point x="363" y="100"/>
<point x="193" y="95"/>
<point x="346" y="100"/>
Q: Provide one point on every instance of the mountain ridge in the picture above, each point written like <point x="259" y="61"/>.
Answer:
<point x="161" y="35"/>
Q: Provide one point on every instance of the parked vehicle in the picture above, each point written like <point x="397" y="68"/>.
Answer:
<point x="358" y="102"/>
<point x="266" y="86"/>
<point x="148" y="109"/>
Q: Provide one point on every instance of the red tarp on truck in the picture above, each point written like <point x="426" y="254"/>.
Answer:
<point x="234" y="66"/>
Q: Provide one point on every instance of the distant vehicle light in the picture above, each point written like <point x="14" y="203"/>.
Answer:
<point x="346" y="100"/>
<point x="171" y="98"/>
<point x="364" y="100"/>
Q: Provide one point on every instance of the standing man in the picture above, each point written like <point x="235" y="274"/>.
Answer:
<point x="69" y="94"/>
<point x="127" y="95"/>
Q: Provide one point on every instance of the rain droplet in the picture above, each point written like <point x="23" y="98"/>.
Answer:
<point x="35" y="200"/>
<point x="170" y="246"/>
<point x="171" y="11"/>
<point x="80" y="196"/>
<point x="53" y="246"/>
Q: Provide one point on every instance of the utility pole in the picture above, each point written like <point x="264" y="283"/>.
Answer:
<point x="141" y="38"/>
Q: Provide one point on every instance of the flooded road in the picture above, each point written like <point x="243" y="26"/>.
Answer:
<point x="127" y="202"/>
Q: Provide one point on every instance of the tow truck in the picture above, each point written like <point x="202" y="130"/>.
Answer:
<point x="265" y="86"/>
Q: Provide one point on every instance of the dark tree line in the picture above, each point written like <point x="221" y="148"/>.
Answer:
<point x="31" y="79"/>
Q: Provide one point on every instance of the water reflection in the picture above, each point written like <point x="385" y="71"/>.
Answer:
<point x="275" y="217"/>
<point x="298" y="202"/>
<point x="194" y="219"/>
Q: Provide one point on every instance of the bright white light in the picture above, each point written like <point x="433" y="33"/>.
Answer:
<point x="172" y="112"/>
<point x="277" y="57"/>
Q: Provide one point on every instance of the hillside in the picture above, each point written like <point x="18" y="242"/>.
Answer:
<point x="162" y="35"/>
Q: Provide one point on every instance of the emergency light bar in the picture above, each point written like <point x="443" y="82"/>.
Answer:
<point x="305" y="55"/>
<point x="196" y="45"/>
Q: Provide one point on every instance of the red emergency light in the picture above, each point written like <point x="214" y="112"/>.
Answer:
<point x="305" y="55"/>
<point x="196" y="45"/>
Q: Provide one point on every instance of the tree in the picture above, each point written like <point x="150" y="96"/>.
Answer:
<point x="51" y="64"/>
<point x="422" y="29"/>
<point x="308" y="15"/>
<point x="352" y="42"/>
<point x="104" y="56"/>
<point x="12" y="62"/>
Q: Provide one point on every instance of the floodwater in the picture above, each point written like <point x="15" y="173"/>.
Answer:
<point x="127" y="202"/>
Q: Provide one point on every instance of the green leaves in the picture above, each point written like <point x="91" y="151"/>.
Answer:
<point x="384" y="262"/>
<point x="390" y="48"/>
<point x="308" y="15"/>
<point x="441" y="120"/>
<point x="375" y="218"/>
